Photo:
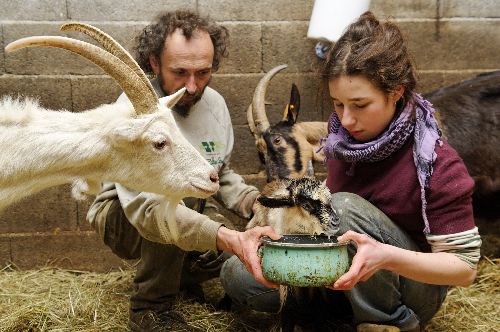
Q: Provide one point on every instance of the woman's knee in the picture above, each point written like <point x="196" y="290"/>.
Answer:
<point x="359" y="215"/>
<point x="353" y="211"/>
<point x="344" y="203"/>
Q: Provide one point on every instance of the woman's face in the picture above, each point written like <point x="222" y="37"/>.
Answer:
<point x="363" y="109"/>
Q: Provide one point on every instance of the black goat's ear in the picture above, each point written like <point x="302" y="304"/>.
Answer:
<point x="293" y="107"/>
<point x="275" y="202"/>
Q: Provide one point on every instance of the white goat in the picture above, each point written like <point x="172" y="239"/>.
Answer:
<point x="136" y="143"/>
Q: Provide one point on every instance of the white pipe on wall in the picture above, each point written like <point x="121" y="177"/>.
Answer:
<point x="329" y="18"/>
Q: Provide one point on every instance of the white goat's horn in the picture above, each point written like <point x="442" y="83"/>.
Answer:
<point x="258" y="111"/>
<point x="140" y="96"/>
<point x="110" y="45"/>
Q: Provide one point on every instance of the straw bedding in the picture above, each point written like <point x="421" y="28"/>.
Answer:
<point x="53" y="299"/>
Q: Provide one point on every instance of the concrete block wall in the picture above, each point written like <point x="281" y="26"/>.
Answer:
<point x="451" y="40"/>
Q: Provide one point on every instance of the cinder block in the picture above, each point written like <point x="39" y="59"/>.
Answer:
<point x="455" y="45"/>
<point x="82" y="207"/>
<point x="244" y="49"/>
<point x="116" y="10"/>
<point x="124" y="33"/>
<point x="384" y="9"/>
<point x="68" y="250"/>
<point x="42" y="60"/>
<point x="90" y="92"/>
<point x="278" y="95"/>
<point x="47" y="60"/>
<point x="53" y="92"/>
<point x="237" y="90"/>
<point x="464" y="8"/>
<point x="244" y="159"/>
<point x="41" y="10"/>
<point x="287" y="43"/>
<point x="52" y="210"/>
<point x="2" y="52"/>
<point x="262" y="10"/>
<point x="5" y="257"/>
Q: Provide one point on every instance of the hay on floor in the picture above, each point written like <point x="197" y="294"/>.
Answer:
<point x="475" y="308"/>
<point x="53" y="299"/>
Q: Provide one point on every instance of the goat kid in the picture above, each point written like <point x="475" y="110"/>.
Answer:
<point x="134" y="142"/>
<point x="295" y="206"/>
<point x="298" y="206"/>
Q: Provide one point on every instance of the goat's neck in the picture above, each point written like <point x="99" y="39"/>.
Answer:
<point x="50" y="148"/>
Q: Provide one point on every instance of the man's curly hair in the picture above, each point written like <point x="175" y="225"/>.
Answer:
<point x="152" y="38"/>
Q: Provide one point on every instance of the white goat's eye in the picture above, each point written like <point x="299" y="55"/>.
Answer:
<point x="160" y="145"/>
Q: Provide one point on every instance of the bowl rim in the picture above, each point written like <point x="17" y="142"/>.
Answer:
<point x="267" y="241"/>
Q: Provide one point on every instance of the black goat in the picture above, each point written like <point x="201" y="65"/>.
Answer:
<point x="469" y="115"/>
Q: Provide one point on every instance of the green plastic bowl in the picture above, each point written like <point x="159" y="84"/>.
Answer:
<point x="304" y="260"/>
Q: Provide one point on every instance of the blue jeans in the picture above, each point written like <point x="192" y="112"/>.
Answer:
<point x="386" y="298"/>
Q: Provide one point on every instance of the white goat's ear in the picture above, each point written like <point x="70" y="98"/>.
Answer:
<point x="129" y="131"/>
<point x="171" y="100"/>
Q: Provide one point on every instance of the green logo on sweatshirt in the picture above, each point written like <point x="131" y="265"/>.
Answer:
<point x="213" y="152"/>
<point x="209" y="146"/>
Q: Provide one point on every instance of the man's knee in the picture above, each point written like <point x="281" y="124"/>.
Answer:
<point x="119" y="235"/>
<point x="243" y="289"/>
<point x="231" y="273"/>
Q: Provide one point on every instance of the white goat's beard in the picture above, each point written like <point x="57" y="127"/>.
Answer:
<point x="82" y="187"/>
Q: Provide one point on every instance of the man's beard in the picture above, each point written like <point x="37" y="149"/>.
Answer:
<point x="183" y="107"/>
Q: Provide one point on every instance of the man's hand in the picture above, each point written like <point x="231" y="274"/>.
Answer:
<point x="245" y="245"/>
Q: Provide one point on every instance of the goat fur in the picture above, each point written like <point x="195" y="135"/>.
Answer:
<point x="297" y="206"/>
<point x="43" y="148"/>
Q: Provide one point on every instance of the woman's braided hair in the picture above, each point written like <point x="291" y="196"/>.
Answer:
<point x="375" y="50"/>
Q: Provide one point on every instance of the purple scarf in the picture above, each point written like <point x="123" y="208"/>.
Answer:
<point x="339" y="144"/>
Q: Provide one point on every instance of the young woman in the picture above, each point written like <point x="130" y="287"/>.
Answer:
<point x="402" y="193"/>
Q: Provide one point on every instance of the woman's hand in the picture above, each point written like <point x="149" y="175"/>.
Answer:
<point x="369" y="258"/>
<point x="245" y="245"/>
<point x="441" y="268"/>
